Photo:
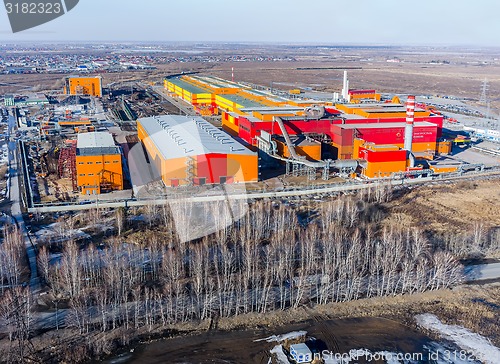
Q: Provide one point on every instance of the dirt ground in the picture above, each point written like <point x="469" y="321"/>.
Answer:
<point x="375" y="334"/>
<point x="456" y="206"/>
<point x="456" y="72"/>
<point x="428" y="80"/>
<point x="376" y="324"/>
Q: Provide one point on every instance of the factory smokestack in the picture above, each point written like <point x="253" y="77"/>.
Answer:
<point x="345" y="87"/>
<point x="410" y="119"/>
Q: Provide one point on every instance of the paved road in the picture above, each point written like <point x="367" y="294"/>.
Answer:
<point x="15" y="197"/>
<point x="218" y="196"/>
<point x="481" y="272"/>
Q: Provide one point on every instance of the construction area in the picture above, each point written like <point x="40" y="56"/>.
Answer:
<point x="198" y="130"/>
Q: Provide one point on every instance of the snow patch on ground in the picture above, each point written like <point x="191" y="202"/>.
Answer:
<point x="445" y="355"/>
<point x="57" y="233"/>
<point x="365" y="355"/>
<point x="283" y="337"/>
<point x="476" y="344"/>
<point x="280" y="355"/>
<point x="4" y="154"/>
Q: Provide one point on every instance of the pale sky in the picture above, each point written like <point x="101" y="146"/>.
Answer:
<point x="382" y="22"/>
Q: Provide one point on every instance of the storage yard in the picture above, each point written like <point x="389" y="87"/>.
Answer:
<point x="231" y="133"/>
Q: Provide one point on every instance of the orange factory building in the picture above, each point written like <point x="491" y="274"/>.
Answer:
<point x="98" y="164"/>
<point x="191" y="151"/>
<point x="79" y="85"/>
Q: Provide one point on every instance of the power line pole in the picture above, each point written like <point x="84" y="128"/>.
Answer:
<point x="484" y="92"/>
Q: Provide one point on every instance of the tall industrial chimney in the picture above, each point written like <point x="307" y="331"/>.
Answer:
<point x="345" y="87"/>
<point x="410" y="119"/>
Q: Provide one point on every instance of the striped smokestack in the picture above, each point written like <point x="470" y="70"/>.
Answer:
<point x="410" y="119"/>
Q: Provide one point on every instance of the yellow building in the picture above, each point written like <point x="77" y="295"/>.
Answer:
<point x="98" y="164"/>
<point x="79" y="85"/>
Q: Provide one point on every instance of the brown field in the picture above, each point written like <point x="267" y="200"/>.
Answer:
<point x="456" y="206"/>
<point x="457" y="72"/>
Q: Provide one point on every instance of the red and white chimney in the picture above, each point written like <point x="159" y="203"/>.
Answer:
<point x="410" y="119"/>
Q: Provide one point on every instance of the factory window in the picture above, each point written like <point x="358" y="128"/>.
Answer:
<point x="82" y="175"/>
<point x="116" y="161"/>
<point x="81" y="162"/>
<point x="98" y="162"/>
<point x="90" y="162"/>
<point x="107" y="162"/>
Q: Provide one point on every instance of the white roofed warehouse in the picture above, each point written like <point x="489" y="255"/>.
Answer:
<point x="190" y="150"/>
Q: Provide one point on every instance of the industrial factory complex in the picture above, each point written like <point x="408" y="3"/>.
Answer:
<point x="358" y="135"/>
<point x="229" y="133"/>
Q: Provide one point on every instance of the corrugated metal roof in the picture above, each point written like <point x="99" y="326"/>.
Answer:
<point x="217" y="82"/>
<point x="96" y="143"/>
<point x="178" y="136"/>
<point x="95" y="140"/>
<point x="97" y="151"/>
<point x="188" y="86"/>
<point x="243" y="101"/>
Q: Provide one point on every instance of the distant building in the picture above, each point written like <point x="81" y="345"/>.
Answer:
<point x="190" y="150"/>
<point x="98" y="163"/>
<point x="9" y="100"/>
<point x="80" y="85"/>
<point x="25" y="100"/>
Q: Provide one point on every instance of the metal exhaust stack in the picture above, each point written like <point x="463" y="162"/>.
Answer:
<point x="410" y="119"/>
<point x="345" y="87"/>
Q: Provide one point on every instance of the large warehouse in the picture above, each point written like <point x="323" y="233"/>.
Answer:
<point x="190" y="150"/>
<point x="98" y="163"/>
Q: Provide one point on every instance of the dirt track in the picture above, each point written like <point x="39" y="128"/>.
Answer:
<point x="240" y="346"/>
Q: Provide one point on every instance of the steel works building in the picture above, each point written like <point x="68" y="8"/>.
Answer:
<point x="361" y="129"/>
<point x="191" y="151"/>
<point x="98" y="164"/>
<point x="80" y="85"/>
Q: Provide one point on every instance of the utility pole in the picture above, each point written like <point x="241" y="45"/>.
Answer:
<point x="484" y="92"/>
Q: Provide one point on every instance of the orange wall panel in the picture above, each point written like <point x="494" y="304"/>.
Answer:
<point x="84" y="86"/>
<point x="100" y="170"/>
<point x="383" y="169"/>
<point x="229" y="127"/>
<point x="243" y="168"/>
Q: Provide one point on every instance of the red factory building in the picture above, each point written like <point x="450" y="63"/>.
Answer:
<point x="342" y="132"/>
<point x="373" y="133"/>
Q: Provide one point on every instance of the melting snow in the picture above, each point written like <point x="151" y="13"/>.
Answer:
<point x="283" y="337"/>
<point x="473" y="343"/>
<point x="280" y="355"/>
<point x="4" y="154"/>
